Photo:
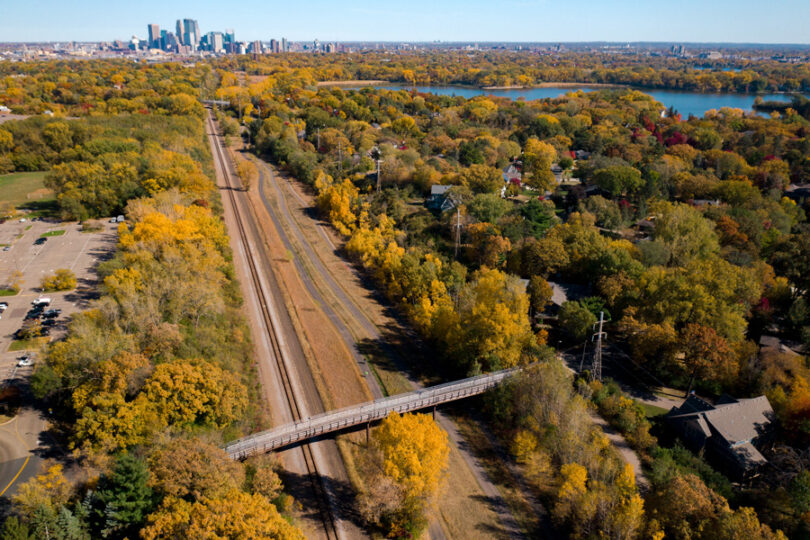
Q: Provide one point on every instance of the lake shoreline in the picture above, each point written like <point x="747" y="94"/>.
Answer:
<point x="352" y="83"/>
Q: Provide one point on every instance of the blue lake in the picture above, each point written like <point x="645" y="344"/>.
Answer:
<point x="685" y="103"/>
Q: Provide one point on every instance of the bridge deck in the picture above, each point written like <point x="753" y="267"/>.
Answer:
<point x="364" y="413"/>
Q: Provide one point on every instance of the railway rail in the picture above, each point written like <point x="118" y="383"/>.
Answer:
<point x="326" y="513"/>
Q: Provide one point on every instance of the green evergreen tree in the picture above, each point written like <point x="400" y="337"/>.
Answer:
<point x="123" y="499"/>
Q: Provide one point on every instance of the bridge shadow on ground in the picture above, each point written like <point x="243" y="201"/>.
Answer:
<point x="341" y="493"/>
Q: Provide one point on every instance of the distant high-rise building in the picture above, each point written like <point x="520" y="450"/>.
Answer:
<point x="230" y="36"/>
<point x="154" y="36"/>
<point x="172" y="43"/>
<point x="255" y="47"/>
<point x="284" y="45"/>
<point x="180" y="31"/>
<point x="215" y="41"/>
<point x="163" y="34"/>
<point x="188" y="32"/>
<point x="274" y="46"/>
<point x="193" y="31"/>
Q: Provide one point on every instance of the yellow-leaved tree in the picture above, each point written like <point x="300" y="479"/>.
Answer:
<point x="235" y="516"/>
<point x="337" y="201"/>
<point x="410" y="453"/>
<point x="415" y="451"/>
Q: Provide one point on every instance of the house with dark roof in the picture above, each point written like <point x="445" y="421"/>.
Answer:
<point x="440" y="199"/>
<point x="727" y="432"/>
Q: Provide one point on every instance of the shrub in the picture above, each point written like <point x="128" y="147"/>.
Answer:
<point x="62" y="280"/>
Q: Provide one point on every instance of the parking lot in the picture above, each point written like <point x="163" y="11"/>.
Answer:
<point x="75" y="250"/>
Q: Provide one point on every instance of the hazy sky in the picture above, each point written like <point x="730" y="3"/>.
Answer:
<point x="746" y="21"/>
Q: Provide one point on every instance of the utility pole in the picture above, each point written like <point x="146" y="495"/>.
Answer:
<point x="582" y="360"/>
<point x="458" y="231"/>
<point x="597" y="356"/>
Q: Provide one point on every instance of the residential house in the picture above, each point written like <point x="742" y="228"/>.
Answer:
<point x="798" y="193"/>
<point x="727" y="431"/>
<point x="512" y="174"/>
<point x="441" y="198"/>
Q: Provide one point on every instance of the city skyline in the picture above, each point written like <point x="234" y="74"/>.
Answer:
<point x="689" y="21"/>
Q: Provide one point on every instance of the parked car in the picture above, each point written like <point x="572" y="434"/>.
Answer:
<point x="6" y="248"/>
<point x="52" y="313"/>
<point x="40" y="241"/>
<point x="25" y="360"/>
<point x="41" y="301"/>
<point x="119" y="219"/>
<point x="3" y="306"/>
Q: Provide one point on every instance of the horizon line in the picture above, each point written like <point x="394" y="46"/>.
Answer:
<point x="470" y="41"/>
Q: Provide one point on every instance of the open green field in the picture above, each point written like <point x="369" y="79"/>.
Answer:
<point x="25" y="190"/>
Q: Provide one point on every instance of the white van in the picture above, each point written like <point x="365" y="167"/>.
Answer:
<point x="42" y="301"/>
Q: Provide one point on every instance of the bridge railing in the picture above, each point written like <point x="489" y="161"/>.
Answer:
<point x="371" y="411"/>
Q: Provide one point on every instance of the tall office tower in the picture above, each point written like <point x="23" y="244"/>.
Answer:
<point x="273" y="46"/>
<point x="172" y="43"/>
<point x="316" y="45"/>
<point x="163" y="34"/>
<point x="191" y="27"/>
<point x="256" y="47"/>
<point x="154" y="36"/>
<point x="216" y="42"/>
<point x="230" y="36"/>
<point x="284" y="45"/>
<point x="180" y="31"/>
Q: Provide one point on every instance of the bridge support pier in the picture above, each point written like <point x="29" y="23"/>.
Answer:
<point x="368" y="429"/>
<point x="434" y="412"/>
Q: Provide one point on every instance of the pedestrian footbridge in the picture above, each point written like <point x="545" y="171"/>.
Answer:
<point x="363" y="414"/>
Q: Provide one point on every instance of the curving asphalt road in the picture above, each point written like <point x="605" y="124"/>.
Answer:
<point x="19" y="438"/>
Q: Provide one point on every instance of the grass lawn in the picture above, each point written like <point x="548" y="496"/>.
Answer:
<point x="27" y="344"/>
<point x="59" y="232"/>
<point x="25" y="188"/>
<point x="7" y="292"/>
<point x="651" y="410"/>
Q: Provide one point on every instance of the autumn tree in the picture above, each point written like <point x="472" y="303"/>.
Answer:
<point x="234" y="516"/>
<point x="49" y="489"/>
<point x="248" y="173"/>
<point x="618" y="180"/>
<point x="186" y="393"/>
<point x="193" y="470"/>
<point x="577" y="320"/>
<point x="538" y="157"/>
<point x="62" y="279"/>
<point x="493" y="324"/>
<point x="540" y="293"/>
<point x="685" y="232"/>
<point x="482" y="178"/>
<point x="412" y="451"/>
<point x="706" y="354"/>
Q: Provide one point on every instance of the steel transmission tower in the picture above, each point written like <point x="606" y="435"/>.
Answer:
<point x="596" y="371"/>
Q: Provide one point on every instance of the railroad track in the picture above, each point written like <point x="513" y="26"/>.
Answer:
<point x="319" y="488"/>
